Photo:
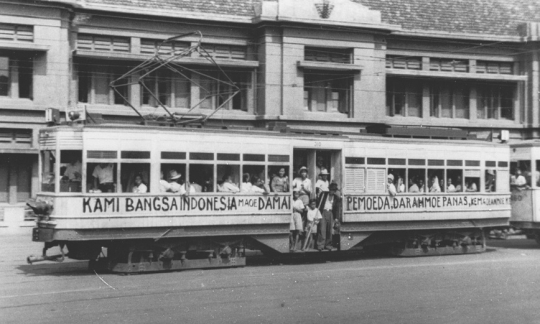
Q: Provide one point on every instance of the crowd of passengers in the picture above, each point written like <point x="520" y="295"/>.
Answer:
<point x="396" y="184"/>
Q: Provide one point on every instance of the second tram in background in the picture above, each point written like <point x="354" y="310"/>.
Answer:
<point x="448" y="191"/>
<point x="525" y="182"/>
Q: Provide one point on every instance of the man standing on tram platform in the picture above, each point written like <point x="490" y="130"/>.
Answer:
<point x="329" y="206"/>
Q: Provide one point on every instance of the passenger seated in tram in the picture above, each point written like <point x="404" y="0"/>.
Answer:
<point x="434" y="184"/>
<point x="104" y="177"/>
<point x="421" y="185"/>
<point x="413" y="187"/>
<point x="441" y="185"/>
<point x="470" y="186"/>
<point x="139" y="186"/>
<point x="73" y="171"/>
<point x="164" y="186"/>
<point x="322" y="184"/>
<point x="459" y="188"/>
<point x="520" y="179"/>
<point x="246" y="183"/>
<point x="196" y="186"/>
<point x="390" y="185"/>
<point x="450" y="187"/>
<point x="228" y="185"/>
<point x="490" y="180"/>
<point x="177" y="184"/>
<point x="258" y="186"/>
<point x="280" y="182"/>
<point x="400" y="185"/>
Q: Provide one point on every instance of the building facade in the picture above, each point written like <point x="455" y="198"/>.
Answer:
<point x="328" y="65"/>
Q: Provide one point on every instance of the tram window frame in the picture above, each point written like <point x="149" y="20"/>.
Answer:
<point x="127" y="187"/>
<point x="398" y="172"/>
<point x="48" y="171"/>
<point x="454" y="174"/>
<point x="180" y="167"/>
<point x="220" y="174"/>
<point x="207" y="185"/>
<point x="90" y="167"/>
<point x="472" y="178"/>
<point x="524" y="166"/>
<point x="440" y="174"/>
<point x="492" y="185"/>
<point x="414" y="173"/>
<point x="66" y="159"/>
<point x="273" y="171"/>
<point x="251" y="168"/>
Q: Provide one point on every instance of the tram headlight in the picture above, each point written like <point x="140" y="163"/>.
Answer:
<point x="74" y="115"/>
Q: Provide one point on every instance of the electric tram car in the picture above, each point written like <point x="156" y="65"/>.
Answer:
<point x="123" y="231"/>
<point x="525" y="185"/>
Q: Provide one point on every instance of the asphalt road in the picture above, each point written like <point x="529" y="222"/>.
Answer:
<point x="499" y="286"/>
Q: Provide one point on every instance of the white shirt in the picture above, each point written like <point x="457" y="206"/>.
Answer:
<point x="245" y="187"/>
<point x="414" y="188"/>
<point x="73" y="171"/>
<point x="472" y="187"/>
<point x="298" y="205"/>
<point x="164" y="186"/>
<point x="196" y="187"/>
<point x="401" y="188"/>
<point x="313" y="214"/>
<point x="322" y="185"/>
<point x="328" y="204"/>
<point x="297" y="185"/>
<point x="142" y="188"/>
<point x="451" y="188"/>
<point x="391" y="189"/>
<point x="521" y="181"/>
<point x="104" y="175"/>
<point x="256" y="189"/>
<point x="229" y="187"/>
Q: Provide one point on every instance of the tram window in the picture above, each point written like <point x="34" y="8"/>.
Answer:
<point x="436" y="180"/>
<point x="101" y="177"/>
<point x="172" y="174"/>
<point x="399" y="179"/>
<point x="472" y="180"/>
<point x="71" y="171"/>
<point x="521" y="173"/>
<point x="249" y="174"/>
<point x="48" y="159"/>
<point x="128" y="177"/>
<point x="417" y="181"/>
<point x="279" y="178"/>
<point x="490" y="177"/>
<point x="228" y="178"/>
<point x="454" y="181"/>
<point x="537" y="173"/>
<point x="201" y="177"/>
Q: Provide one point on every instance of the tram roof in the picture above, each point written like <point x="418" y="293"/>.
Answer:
<point x="290" y="133"/>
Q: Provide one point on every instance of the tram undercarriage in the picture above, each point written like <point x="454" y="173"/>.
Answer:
<point x="168" y="254"/>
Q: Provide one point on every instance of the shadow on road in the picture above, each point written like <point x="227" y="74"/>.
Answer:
<point x="526" y="244"/>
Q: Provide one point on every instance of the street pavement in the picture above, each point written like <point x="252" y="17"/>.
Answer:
<point x="499" y="286"/>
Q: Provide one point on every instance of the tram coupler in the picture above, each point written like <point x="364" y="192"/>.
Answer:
<point x="44" y="257"/>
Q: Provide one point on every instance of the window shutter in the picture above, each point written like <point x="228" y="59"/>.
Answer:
<point x="355" y="180"/>
<point x="21" y="33"/>
<point x="376" y="180"/>
<point x="148" y="46"/>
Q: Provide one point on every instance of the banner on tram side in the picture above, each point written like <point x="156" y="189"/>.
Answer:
<point x="425" y="203"/>
<point x="188" y="205"/>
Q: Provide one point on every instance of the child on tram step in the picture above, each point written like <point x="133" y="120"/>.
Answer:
<point x="313" y="218"/>
<point x="296" y="221"/>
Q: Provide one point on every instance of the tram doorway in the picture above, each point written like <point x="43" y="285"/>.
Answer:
<point x="316" y="161"/>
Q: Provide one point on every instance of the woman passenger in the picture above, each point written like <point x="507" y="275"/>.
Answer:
<point x="280" y="183"/>
<point x="258" y="186"/>
<point x="400" y="185"/>
<point x="228" y="185"/>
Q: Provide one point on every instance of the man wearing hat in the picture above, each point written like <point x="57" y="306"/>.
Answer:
<point x="322" y="183"/>
<point x="390" y="185"/>
<point x="175" y="183"/>
<point x="302" y="185"/>
<point x="328" y="203"/>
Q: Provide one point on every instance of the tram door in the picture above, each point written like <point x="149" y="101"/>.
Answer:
<point x="316" y="161"/>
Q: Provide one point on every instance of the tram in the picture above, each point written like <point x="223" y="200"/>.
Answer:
<point x="525" y="185"/>
<point x="124" y="231"/>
